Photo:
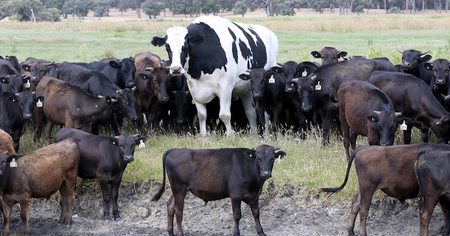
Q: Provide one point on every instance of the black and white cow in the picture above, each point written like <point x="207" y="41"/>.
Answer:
<point x="212" y="52"/>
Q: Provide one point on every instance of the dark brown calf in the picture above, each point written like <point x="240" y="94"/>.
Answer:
<point x="329" y="55"/>
<point x="6" y="143"/>
<point x="432" y="167"/>
<point x="213" y="174"/>
<point x="39" y="175"/>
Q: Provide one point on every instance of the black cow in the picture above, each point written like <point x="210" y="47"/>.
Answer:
<point x="27" y="101"/>
<point x="326" y="81"/>
<point x="11" y="119"/>
<point x="413" y="62"/>
<point x="329" y="55"/>
<point x="239" y="173"/>
<point x="103" y="158"/>
<point x="440" y="81"/>
<point x="121" y="72"/>
<point x="366" y="110"/>
<point x="6" y="68"/>
<point x="414" y="99"/>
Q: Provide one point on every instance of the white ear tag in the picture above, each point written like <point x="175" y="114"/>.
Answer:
<point x="271" y="80"/>
<point x="27" y="84"/>
<point x="141" y="144"/>
<point x="13" y="163"/>
<point x="318" y="87"/>
<point x="277" y="160"/>
<point x="304" y="73"/>
<point x="403" y="126"/>
<point x="39" y="103"/>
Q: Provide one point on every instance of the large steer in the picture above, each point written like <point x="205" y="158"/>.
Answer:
<point x="213" y="52"/>
<point x="213" y="174"/>
<point x="104" y="158"/>
<point x="39" y="175"/>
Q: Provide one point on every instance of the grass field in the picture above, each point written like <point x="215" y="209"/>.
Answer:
<point x="307" y="165"/>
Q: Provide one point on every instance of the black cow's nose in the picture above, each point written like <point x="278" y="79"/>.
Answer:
<point x="440" y="81"/>
<point x="27" y="116"/>
<point x="257" y="95"/>
<point x="180" y="121"/>
<point x="128" y="158"/>
<point x="134" y="118"/>
<point x="306" y="108"/>
<point x="131" y="84"/>
<point x="289" y="90"/>
<point x="265" y="174"/>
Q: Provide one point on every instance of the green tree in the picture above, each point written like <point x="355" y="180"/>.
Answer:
<point x="152" y="8"/>
<point x="211" y="7"/>
<point x="283" y="7"/>
<point x="101" y="7"/>
<point x="240" y="8"/>
<point x="53" y="4"/>
<point x="79" y="8"/>
<point x="7" y="8"/>
<point x="28" y="10"/>
<point x="50" y="14"/>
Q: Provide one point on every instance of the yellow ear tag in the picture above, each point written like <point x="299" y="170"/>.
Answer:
<point x="142" y="144"/>
<point x="318" y="87"/>
<point x="271" y="80"/>
<point x="39" y="103"/>
<point x="403" y="126"/>
<point x="13" y="163"/>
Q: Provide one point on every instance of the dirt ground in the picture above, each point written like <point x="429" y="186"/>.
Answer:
<point x="284" y="211"/>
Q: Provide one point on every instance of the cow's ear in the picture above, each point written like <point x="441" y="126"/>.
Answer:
<point x="428" y="66"/>
<point x="316" y="54"/>
<point x="279" y="154"/>
<point x="425" y="58"/>
<point x="158" y="41"/>
<point x="342" y="54"/>
<point x="114" y="64"/>
<point x="138" y="138"/>
<point x="26" y="67"/>
<point x="196" y="39"/>
<point x="251" y="153"/>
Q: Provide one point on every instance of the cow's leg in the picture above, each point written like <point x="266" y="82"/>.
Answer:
<point x="224" y="112"/>
<point x="236" y="205"/>
<point x="106" y="192"/>
<point x="366" y="199"/>
<point x="6" y="211"/>
<point x="407" y="135"/>
<point x="445" y="206"/>
<point x="247" y="103"/>
<point x="24" y="213"/>
<point x="429" y="201"/>
<point x="68" y="192"/>
<point x="353" y="138"/>
<point x="326" y="128"/>
<point x="115" y="196"/>
<point x="48" y="129"/>
<point x="346" y="137"/>
<point x="255" y="212"/>
<point x="170" y="215"/>
<point x="276" y="114"/>
<point x="179" y="194"/>
<point x="356" y="204"/>
<point x="261" y="119"/>
<point x="201" y="114"/>
<point x="425" y="134"/>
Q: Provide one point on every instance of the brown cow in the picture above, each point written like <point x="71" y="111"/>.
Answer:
<point x="6" y="143"/>
<point x="39" y="175"/>
<point x="329" y="55"/>
<point x="432" y="173"/>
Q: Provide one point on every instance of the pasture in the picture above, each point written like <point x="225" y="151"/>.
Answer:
<point x="307" y="165"/>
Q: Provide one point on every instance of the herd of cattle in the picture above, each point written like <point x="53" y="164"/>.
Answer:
<point x="218" y="69"/>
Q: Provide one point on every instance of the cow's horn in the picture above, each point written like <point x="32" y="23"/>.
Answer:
<point x="377" y="113"/>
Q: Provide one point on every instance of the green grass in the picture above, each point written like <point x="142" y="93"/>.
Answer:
<point x="307" y="165"/>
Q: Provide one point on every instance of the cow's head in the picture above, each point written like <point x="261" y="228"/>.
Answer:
<point x="127" y="103"/>
<point x="411" y="59"/>
<point x="440" y="69"/>
<point x="27" y="101"/>
<point x="176" y="43"/>
<point x="156" y="85"/>
<point x="441" y="129"/>
<point x="329" y="55"/>
<point x="290" y="71"/>
<point x="258" y="81"/>
<point x="265" y="156"/>
<point x="127" y="145"/>
<point x="180" y="98"/>
<point x="127" y="69"/>
<point x="305" y="91"/>
<point x="39" y="70"/>
<point x="5" y="162"/>
<point x="383" y="125"/>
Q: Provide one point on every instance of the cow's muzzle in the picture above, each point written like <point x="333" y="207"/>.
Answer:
<point x="440" y="81"/>
<point x="265" y="175"/>
<point x="175" y="70"/>
<point x="128" y="158"/>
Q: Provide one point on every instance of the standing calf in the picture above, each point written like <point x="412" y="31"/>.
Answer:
<point x="213" y="174"/>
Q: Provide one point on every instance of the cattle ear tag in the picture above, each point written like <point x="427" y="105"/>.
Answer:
<point x="277" y="160"/>
<point x="27" y="84"/>
<point x="13" y="163"/>
<point x="304" y="73"/>
<point x="39" y="103"/>
<point x="318" y="87"/>
<point x="403" y="126"/>
<point x="271" y="80"/>
<point x="141" y="144"/>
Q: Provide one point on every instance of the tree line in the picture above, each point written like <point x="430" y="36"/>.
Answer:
<point x="54" y="10"/>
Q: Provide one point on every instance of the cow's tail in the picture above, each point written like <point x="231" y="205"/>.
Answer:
<point x="163" y="185"/>
<point x="349" y="165"/>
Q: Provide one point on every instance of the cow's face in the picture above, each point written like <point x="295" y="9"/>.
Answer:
<point x="258" y="80"/>
<point x="440" y="69"/>
<point x="127" y="145"/>
<point x="305" y="90"/>
<point x="265" y="156"/>
<point x="383" y="125"/>
<point x="127" y="71"/>
<point x="176" y="43"/>
<point x="27" y="101"/>
<point x="15" y="83"/>
<point x="289" y="70"/>
<point x="329" y="55"/>
<point x="156" y="84"/>
<point x="127" y="103"/>
<point x="5" y="161"/>
<point x="412" y="58"/>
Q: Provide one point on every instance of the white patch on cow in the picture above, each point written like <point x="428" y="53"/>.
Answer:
<point x="304" y="73"/>
<point x="13" y="163"/>
<point x="318" y="87"/>
<point x="271" y="80"/>
<point x="403" y="126"/>
<point x="176" y="38"/>
<point x="39" y="103"/>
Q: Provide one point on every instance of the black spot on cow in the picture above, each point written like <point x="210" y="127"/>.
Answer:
<point x="204" y="41"/>
<point x="233" y="46"/>
<point x="258" y="48"/>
